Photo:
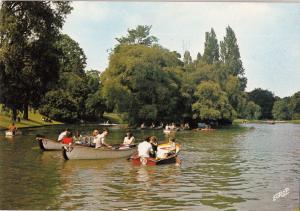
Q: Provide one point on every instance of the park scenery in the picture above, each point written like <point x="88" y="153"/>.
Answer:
<point x="149" y="105"/>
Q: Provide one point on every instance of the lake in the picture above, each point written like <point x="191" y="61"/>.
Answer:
<point x="238" y="167"/>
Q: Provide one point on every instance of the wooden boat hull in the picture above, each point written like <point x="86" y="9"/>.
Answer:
<point x="90" y="153"/>
<point x="152" y="161"/>
<point x="48" y="144"/>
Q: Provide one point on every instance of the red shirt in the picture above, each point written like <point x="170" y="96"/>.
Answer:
<point x="67" y="140"/>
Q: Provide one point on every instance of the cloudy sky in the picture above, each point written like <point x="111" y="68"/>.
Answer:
<point x="268" y="34"/>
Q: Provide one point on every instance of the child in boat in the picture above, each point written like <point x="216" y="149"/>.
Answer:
<point x="68" y="138"/>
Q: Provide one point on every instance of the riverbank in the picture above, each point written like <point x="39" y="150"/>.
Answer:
<point x="35" y="120"/>
<point x="241" y="121"/>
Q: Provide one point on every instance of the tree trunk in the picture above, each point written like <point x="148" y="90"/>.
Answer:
<point x="14" y="117"/>
<point x="25" y="110"/>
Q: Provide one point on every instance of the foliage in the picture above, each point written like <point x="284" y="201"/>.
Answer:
<point x="252" y="111"/>
<point x="140" y="35"/>
<point x="142" y="82"/>
<point x="212" y="103"/>
<point x="265" y="99"/>
<point x="211" y="47"/>
<point x="28" y="56"/>
<point x="281" y="109"/>
<point x="59" y="105"/>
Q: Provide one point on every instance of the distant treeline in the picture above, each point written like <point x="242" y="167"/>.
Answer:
<point x="145" y="82"/>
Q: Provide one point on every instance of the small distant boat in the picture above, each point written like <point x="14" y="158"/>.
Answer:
<point x="11" y="134"/>
<point x="168" y="131"/>
<point x="108" y="124"/>
<point x="48" y="144"/>
<point x="76" y="152"/>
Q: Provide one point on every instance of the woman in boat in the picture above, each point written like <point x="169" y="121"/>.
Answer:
<point x="154" y="144"/>
<point x="172" y="144"/>
<point x="129" y="139"/>
<point x="99" y="139"/>
<point x="12" y="128"/>
<point x="68" y="138"/>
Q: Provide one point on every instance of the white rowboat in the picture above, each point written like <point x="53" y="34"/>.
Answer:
<point x="89" y="153"/>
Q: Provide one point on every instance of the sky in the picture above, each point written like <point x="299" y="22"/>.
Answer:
<point x="268" y="34"/>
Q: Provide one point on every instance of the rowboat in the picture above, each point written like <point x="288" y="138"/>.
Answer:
<point x="166" y="131"/>
<point x="136" y="160"/>
<point x="48" y="144"/>
<point x="172" y="158"/>
<point x="11" y="134"/>
<point x="78" y="152"/>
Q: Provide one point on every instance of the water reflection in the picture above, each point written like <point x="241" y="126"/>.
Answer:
<point x="234" y="168"/>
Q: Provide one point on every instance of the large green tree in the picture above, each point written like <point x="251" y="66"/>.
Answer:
<point x="212" y="103"/>
<point x="141" y="81"/>
<point x="28" y="56"/>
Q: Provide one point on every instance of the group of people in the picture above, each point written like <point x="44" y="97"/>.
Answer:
<point x="97" y="140"/>
<point x="149" y="148"/>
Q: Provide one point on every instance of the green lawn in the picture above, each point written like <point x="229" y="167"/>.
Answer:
<point x="34" y="120"/>
<point x="114" y="118"/>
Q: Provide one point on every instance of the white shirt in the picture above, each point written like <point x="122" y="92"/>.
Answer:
<point x="128" y="141"/>
<point x="62" y="135"/>
<point x="144" y="149"/>
<point x="99" y="140"/>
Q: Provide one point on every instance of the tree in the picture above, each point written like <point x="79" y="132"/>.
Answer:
<point x="295" y="105"/>
<point x="211" y="47"/>
<point x="212" y="103"/>
<point x="28" y="56"/>
<point x="141" y="81"/>
<point x="265" y="99"/>
<point x="140" y="35"/>
<point x="72" y="58"/>
<point x="59" y="105"/>
<point x="230" y="56"/>
<point x="281" y="109"/>
<point x="252" y="111"/>
<point x="187" y="59"/>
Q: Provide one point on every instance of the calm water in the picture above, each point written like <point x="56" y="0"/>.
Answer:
<point x="234" y="168"/>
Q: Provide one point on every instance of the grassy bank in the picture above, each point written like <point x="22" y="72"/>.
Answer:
<point x="240" y="121"/>
<point x="114" y="118"/>
<point x="35" y="120"/>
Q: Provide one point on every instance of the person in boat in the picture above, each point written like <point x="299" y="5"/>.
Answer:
<point x="167" y="151"/>
<point x="187" y="126"/>
<point x="63" y="134"/>
<point x="77" y="138"/>
<point x="145" y="148"/>
<point x="152" y="125"/>
<point x="167" y="127"/>
<point x="172" y="144"/>
<point x="67" y="139"/>
<point x="99" y="139"/>
<point x="143" y="125"/>
<point x="129" y="139"/>
<point x="12" y="128"/>
<point x="154" y="144"/>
